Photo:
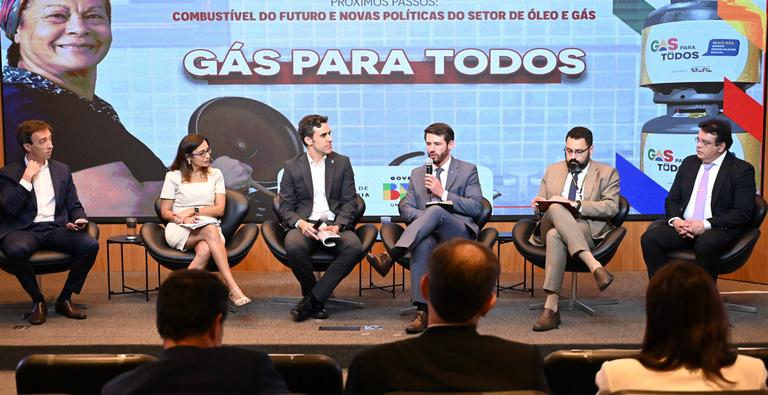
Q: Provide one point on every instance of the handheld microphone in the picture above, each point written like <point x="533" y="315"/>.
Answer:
<point x="429" y="165"/>
<point x="319" y="222"/>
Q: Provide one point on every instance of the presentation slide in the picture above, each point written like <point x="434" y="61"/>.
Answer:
<point x="122" y="82"/>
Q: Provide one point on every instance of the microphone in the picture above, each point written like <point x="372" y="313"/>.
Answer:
<point x="429" y="165"/>
<point x="319" y="221"/>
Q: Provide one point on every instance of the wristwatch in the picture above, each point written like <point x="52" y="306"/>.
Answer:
<point x="578" y="205"/>
<point x="197" y="210"/>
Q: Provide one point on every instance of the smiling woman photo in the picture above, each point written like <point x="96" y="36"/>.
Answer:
<point x="51" y="75"/>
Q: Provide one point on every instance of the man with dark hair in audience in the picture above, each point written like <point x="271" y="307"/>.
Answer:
<point x="191" y="308"/>
<point x="709" y="205"/>
<point x="450" y="356"/>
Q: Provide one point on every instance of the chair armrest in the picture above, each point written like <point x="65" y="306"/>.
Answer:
<point x="367" y="234"/>
<point x="274" y="237"/>
<point x="521" y="234"/>
<point x="241" y="243"/>
<point x="390" y="233"/>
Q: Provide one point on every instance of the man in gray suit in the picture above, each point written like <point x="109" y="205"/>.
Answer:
<point x="451" y="181"/>
<point x="317" y="192"/>
<point x="592" y="189"/>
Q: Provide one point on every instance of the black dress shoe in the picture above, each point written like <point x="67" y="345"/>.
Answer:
<point x="319" y="312"/>
<point x="549" y="319"/>
<point x="67" y="309"/>
<point x="380" y="262"/>
<point x="603" y="278"/>
<point x="39" y="313"/>
<point x="418" y="323"/>
<point x="303" y="310"/>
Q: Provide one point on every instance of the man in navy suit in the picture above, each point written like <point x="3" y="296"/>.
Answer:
<point x="40" y="210"/>
<point x="451" y="180"/>
<point x="317" y="192"/>
<point x="709" y="205"/>
<point x="450" y="356"/>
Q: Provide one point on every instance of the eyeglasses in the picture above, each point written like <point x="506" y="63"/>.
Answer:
<point x="705" y="143"/>
<point x="578" y="152"/>
<point x="203" y="153"/>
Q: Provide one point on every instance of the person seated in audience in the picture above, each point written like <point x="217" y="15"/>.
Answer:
<point x="191" y="309"/>
<point x="194" y="193"/>
<point x="686" y="345"/>
<point x="451" y="355"/>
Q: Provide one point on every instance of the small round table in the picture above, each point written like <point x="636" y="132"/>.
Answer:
<point x="123" y="240"/>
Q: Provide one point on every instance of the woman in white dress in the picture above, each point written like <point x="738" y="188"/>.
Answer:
<point x="193" y="193"/>
<point x="686" y="345"/>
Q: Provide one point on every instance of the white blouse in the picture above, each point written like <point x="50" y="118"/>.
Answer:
<point x="192" y="194"/>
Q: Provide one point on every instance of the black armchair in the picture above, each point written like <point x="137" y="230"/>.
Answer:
<point x="48" y="261"/>
<point x="274" y="236"/>
<point x="310" y="374"/>
<point x="54" y="373"/>
<point x="239" y="239"/>
<point x="603" y="252"/>
<point x="737" y="255"/>
<point x="391" y="232"/>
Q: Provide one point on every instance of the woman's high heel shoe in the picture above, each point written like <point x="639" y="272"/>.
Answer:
<point x="237" y="299"/>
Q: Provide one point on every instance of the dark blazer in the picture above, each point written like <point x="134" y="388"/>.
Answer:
<point x="296" y="190"/>
<point x="733" y="195"/>
<point x="192" y="370"/>
<point x="19" y="206"/>
<point x="447" y="359"/>
<point x="463" y="186"/>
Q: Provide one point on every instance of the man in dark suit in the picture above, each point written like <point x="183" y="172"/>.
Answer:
<point x="191" y="309"/>
<point x="451" y="180"/>
<point x="709" y="205"/>
<point x="317" y="197"/>
<point x="450" y="356"/>
<point x="40" y="210"/>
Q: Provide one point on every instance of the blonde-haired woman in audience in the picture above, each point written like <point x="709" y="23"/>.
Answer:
<point x="686" y="345"/>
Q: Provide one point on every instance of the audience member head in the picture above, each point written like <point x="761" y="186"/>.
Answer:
<point x="686" y="322"/>
<point x="461" y="276"/>
<point x="194" y="153"/>
<point x="191" y="309"/>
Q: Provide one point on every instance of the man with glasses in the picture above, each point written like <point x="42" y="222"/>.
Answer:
<point x="582" y="196"/>
<point x="709" y="205"/>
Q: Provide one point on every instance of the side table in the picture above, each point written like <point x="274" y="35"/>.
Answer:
<point x="506" y="237"/>
<point x="123" y="240"/>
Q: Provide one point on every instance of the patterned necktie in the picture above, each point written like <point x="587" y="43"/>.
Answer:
<point x="574" y="187"/>
<point x="438" y="172"/>
<point x="701" y="194"/>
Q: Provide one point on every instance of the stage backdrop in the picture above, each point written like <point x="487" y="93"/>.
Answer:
<point x="511" y="78"/>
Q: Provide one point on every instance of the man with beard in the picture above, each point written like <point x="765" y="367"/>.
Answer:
<point x="592" y="189"/>
<point x="450" y="180"/>
<point x="709" y="205"/>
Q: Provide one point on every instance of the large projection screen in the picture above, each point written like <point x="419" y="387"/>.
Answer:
<point x="511" y="78"/>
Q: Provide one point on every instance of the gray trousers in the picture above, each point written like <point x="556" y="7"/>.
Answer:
<point x="563" y="236"/>
<point x="431" y="228"/>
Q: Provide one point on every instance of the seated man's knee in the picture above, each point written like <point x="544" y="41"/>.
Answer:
<point x="295" y="243"/>
<point x="17" y="252"/>
<point x="90" y="245"/>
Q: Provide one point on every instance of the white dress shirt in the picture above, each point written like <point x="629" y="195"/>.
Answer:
<point x="320" y="207"/>
<point x="579" y="183"/>
<point x="688" y="213"/>
<point x="43" y="186"/>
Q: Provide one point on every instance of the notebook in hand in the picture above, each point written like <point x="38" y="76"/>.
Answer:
<point x="448" y="205"/>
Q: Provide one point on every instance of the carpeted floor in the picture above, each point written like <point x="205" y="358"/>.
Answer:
<point x="125" y="324"/>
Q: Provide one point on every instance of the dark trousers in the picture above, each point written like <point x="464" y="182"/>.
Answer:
<point x="299" y="249"/>
<point x="19" y="245"/>
<point x="660" y="238"/>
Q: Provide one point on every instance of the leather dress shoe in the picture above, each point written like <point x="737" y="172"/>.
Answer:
<point x="380" y="262"/>
<point x="318" y="312"/>
<point x="39" y="313"/>
<point x="549" y="319"/>
<point x="603" y="278"/>
<point x="302" y="310"/>
<point x="418" y="324"/>
<point x="67" y="309"/>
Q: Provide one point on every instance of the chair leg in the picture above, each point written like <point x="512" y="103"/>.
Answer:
<point x="332" y="302"/>
<point x="739" y="307"/>
<point x="574" y="303"/>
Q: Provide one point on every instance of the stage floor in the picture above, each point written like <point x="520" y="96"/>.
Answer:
<point x="125" y="324"/>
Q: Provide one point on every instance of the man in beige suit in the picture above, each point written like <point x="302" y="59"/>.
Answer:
<point x="592" y="188"/>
